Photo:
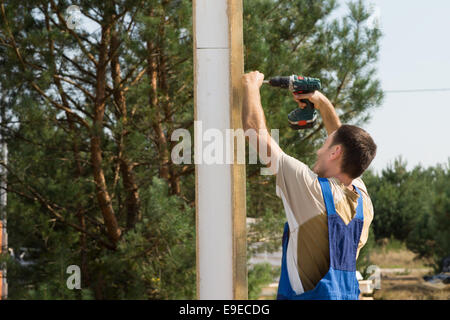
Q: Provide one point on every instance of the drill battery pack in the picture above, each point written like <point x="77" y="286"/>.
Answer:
<point x="302" y="118"/>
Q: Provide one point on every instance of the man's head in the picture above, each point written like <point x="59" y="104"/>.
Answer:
<point x="349" y="150"/>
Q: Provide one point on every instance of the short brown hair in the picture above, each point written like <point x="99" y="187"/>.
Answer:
<point x="359" y="149"/>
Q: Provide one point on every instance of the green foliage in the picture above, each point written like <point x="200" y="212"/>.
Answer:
<point x="260" y="275"/>
<point x="150" y="262"/>
<point x="413" y="207"/>
<point x="159" y="254"/>
<point x="53" y="205"/>
<point x="430" y="236"/>
<point x="401" y="197"/>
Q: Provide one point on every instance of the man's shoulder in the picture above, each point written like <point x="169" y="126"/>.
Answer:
<point x="291" y="164"/>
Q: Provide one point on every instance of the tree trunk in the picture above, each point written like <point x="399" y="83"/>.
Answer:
<point x="103" y="196"/>
<point x="153" y="52"/>
<point x="174" y="178"/>
<point x="132" y="201"/>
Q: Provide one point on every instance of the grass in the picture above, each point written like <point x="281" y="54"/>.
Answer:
<point x="394" y="254"/>
<point x="403" y="273"/>
<point x="408" y="283"/>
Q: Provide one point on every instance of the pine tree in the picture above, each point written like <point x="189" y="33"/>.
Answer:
<point x="95" y="103"/>
<point x="91" y="106"/>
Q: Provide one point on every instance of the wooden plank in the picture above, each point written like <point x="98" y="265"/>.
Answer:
<point x="235" y="19"/>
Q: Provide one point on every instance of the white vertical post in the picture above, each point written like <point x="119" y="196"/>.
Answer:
<point x="220" y="188"/>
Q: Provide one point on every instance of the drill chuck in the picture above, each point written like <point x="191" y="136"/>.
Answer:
<point x="282" y="82"/>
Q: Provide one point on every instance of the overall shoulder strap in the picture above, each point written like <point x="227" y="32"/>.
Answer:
<point x="359" y="207"/>
<point x="327" y="196"/>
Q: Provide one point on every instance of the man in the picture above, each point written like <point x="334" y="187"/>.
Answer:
<point x="328" y="209"/>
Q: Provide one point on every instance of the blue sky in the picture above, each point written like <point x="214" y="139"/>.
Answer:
<point x="414" y="54"/>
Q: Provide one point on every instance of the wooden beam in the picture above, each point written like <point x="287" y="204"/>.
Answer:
<point x="235" y="20"/>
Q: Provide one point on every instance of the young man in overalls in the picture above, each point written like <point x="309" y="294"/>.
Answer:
<point x="328" y="209"/>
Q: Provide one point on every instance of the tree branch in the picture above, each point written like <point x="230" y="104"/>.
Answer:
<point x="74" y="34"/>
<point x="51" y="208"/>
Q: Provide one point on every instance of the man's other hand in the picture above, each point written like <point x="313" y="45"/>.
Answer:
<point x="316" y="97"/>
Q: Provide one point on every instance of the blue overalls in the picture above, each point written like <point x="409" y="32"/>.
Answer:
<point x="340" y="282"/>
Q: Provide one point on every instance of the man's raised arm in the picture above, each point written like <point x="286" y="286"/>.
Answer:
<point x="329" y="116"/>
<point x="254" y="121"/>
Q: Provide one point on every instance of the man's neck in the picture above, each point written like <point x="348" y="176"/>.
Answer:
<point x="346" y="181"/>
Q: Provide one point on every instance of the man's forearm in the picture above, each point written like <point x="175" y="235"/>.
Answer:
<point x="252" y="111"/>
<point x="255" y="127"/>
<point x="329" y="116"/>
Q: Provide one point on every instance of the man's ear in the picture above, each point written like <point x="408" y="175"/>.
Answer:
<point x="336" y="152"/>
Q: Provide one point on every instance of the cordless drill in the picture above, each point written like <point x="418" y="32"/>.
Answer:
<point x="299" y="118"/>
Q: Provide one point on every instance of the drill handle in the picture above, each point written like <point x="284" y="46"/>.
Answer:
<point x="309" y="104"/>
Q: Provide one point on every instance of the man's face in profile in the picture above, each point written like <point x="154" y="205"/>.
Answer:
<point x="324" y="162"/>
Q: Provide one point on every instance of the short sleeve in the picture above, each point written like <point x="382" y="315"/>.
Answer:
<point x="360" y="185"/>
<point x="298" y="187"/>
<point x="368" y="213"/>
